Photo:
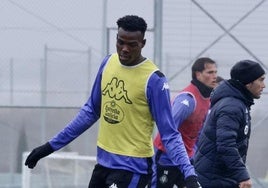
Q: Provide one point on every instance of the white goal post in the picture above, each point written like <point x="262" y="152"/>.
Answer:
<point x="60" y="169"/>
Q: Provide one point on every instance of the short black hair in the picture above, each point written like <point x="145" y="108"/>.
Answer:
<point x="132" y="23"/>
<point x="199" y="65"/>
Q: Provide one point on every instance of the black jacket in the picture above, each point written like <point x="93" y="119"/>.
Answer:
<point x="223" y="143"/>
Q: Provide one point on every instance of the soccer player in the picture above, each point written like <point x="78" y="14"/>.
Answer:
<point x="189" y="109"/>
<point x="128" y="95"/>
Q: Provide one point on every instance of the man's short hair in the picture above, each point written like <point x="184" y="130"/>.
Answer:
<point x="132" y="23"/>
<point x="199" y="65"/>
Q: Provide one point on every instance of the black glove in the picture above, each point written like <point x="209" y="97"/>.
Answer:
<point x="37" y="154"/>
<point x="191" y="182"/>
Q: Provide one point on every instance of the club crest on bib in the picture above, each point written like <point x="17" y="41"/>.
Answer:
<point x="113" y="112"/>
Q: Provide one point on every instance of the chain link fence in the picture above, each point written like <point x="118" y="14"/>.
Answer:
<point x="41" y="93"/>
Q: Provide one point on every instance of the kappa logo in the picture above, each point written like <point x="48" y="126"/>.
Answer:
<point x="165" y="86"/>
<point x="116" y="90"/>
<point x="113" y="186"/>
<point x="185" y="102"/>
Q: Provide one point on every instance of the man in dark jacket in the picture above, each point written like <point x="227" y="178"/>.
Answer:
<point x="222" y="148"/>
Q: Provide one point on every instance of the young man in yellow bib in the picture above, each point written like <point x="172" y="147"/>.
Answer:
<point x="128" y="96"/>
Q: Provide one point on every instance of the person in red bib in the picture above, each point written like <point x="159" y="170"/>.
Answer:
<point x="189" y="109"/>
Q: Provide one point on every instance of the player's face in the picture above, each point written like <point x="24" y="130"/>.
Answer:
<point x="209" y="75"/>
<point x="129" y="45"/>
<point x="256" y="87"/>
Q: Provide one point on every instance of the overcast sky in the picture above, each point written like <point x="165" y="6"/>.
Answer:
<point x="27" y="25"/>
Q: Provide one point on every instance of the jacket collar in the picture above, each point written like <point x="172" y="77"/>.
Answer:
<point x="204" y="90"/>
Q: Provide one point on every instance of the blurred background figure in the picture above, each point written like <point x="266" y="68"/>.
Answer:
<point x="189" y="109"/>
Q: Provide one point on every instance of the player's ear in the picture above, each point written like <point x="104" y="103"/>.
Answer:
<point x="143" y="42"/>
<point x="198" y="74"/>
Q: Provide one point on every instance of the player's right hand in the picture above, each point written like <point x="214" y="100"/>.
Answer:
<point x="37" y="154"/>
<point x="191" y="182"/>
<point x="245" y="184"/>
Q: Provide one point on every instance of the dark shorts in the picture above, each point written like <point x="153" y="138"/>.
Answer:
<point x="103" y="177"/>
<point x="168" y="176"/>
